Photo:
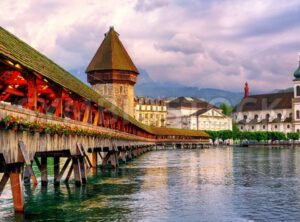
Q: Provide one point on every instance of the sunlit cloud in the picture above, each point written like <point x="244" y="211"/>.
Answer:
<point x="215" y="44"/>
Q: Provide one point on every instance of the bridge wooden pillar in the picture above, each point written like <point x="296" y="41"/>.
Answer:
<point x="94" y="161"/>
<point x="16" y="186"/>
<point x="44" y="171"/>
<point x="77" y="171"/>
<point x="56" y="163"/>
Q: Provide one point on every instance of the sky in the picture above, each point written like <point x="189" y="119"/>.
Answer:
<point x="200" y="43"/>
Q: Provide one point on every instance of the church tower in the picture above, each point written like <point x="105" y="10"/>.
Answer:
<point x="296" y="100"/>
<point x="112" y="73"/>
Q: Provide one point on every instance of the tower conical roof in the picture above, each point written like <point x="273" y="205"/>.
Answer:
<point x="111" y="55"/>
<point x="297" y="72"/>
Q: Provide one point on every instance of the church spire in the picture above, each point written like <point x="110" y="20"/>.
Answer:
<point x="246" y="90"/>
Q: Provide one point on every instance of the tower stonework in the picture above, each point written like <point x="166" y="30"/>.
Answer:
<point x="112" y="73"/>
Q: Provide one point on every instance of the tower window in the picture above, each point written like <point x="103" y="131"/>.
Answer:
<point x="121" y="89"/>
<point x="298" y="90"/>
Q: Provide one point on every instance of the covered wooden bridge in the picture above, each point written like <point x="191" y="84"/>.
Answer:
<point x="47" y="112"/>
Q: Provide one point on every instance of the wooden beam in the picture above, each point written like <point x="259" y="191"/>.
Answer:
<point x="86" y="114"/>
<point x="25" y="156"/>
<point x="69" y="174"/>
<point x="58" y="178"/>
<point x="96" y="118"/>
<point x="56" y="170"/>
<point x="3" y="182"/>
<point x="77" y="172"/>
<point x="16" y="188"/>
<point x="44" y="171"/>
<point x="58" y="103"/>
<point x="31" y="93"/>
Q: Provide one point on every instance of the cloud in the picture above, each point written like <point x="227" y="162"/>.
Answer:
<point x="149" y="5"/>
<point x="200" y="43"/>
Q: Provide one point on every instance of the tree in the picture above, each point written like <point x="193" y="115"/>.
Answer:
<point x="293" y="136"/>
<point x="273" y="136"/>
<point x="260" y="136"/>
<point x="226" y="108"/>
<point x="225" y="135"/>
<point x="214" y="135"/>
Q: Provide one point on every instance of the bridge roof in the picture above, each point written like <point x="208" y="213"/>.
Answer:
<point x="19" y="52"/>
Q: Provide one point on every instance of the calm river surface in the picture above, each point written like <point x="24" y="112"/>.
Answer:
<point x="217" y="184"/>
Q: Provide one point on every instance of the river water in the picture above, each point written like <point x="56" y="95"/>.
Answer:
<point x="217" y="184"/>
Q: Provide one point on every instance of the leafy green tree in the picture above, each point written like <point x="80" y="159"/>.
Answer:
<point x="226" y="108"/>
<point x="293" y="136"/>
<point x="273" y="136"/>
<point x="225" y="135"/>
<point x="214" y="135"/>
<point x="260" y="136"/>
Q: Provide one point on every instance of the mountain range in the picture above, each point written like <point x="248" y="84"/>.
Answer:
<point x="149" y="88"/>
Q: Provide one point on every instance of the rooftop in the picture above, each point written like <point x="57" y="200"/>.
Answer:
<point x="282" y="100"/>
<point x="111" y="55"/>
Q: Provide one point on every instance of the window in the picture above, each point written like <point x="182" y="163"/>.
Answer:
<point x="264" y="127"/>
<point x="298" y="90"/>
<point x="256" y="116"/>
<point x="121" y="89"/>
<point x="288" y="126"/>
<point x="253" y="127"/>
<point x="268" y="116"/>
<point x="275" y="126"/>
<point x="279" y="115"/>
<point x="245" y="117"/>
<point x="298" y="114"/>
<point x="242" y="127"/>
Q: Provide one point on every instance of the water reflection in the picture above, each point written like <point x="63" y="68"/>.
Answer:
<point x="232" y="184"/>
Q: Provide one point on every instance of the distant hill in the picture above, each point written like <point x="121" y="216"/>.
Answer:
<point x="147" y="87"/>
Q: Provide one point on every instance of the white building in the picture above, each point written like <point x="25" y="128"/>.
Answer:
<point x="192" y="113"/>
<point x="265" y="112"/>
<point x="270" y="112"/>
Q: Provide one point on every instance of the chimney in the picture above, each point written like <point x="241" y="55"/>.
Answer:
<point x="246" y="90"/>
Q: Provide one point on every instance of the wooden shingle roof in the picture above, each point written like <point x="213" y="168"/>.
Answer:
<point x="111" y="55"/>
<point x="19" y="52"/>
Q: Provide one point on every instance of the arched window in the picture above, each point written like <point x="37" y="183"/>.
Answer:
<point x="298" y="114"/>
<point x="279" y="115"/>
<point x="298" y="90"/>
<point x="256" y="116"/>
<point x="268" y="116"/>
<point x="245" y="117"/>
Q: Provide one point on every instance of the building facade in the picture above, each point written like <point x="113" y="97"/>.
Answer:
<point x="270" y="112"/>
<point x="152" y="112"/>
<point x="265" y="112"/>
<point x="112" y="73"/>
<point x="195" y="114"/>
